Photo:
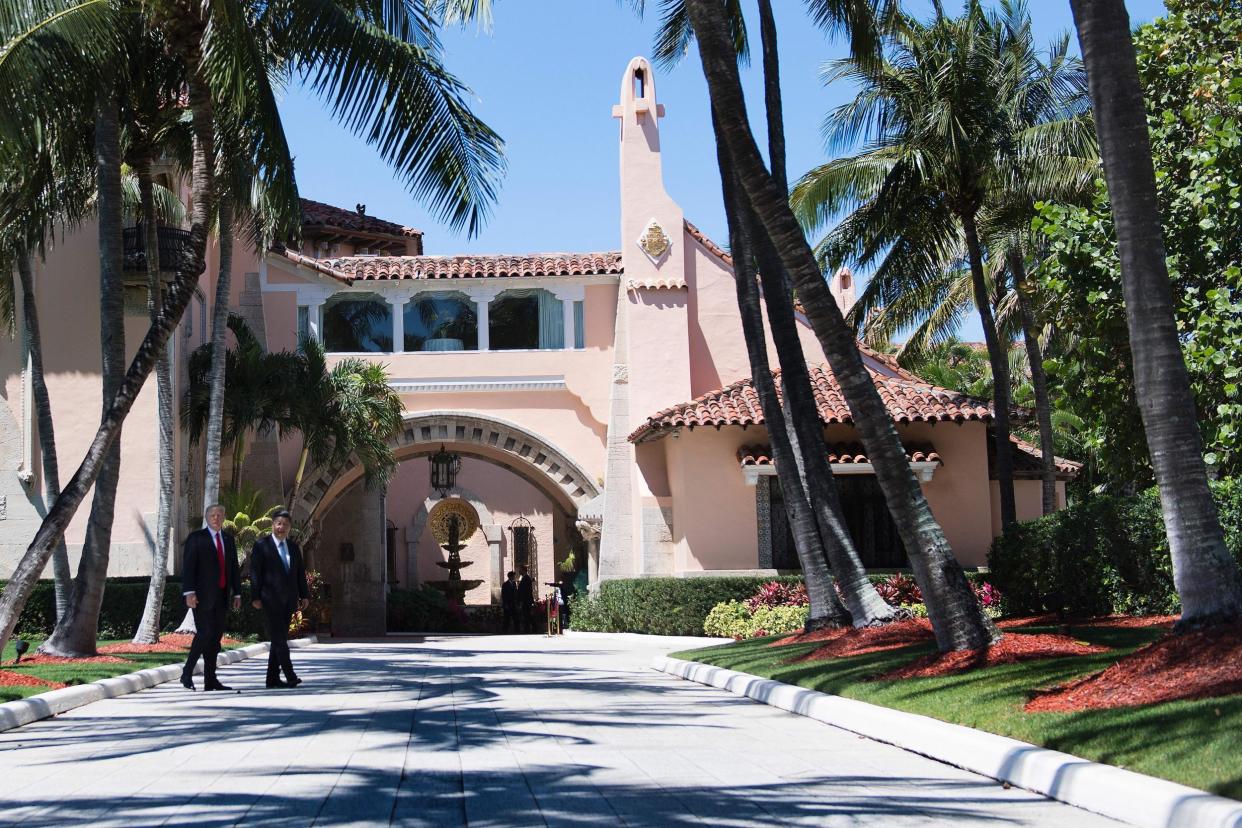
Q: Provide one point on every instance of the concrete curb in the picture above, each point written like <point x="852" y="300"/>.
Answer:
<point x="54" y="702"/>
<point x="1121" y="794"/>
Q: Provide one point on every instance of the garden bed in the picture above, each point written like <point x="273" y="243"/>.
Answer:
<point x="1203" y="664"/>
<point x="1192" y="741"/>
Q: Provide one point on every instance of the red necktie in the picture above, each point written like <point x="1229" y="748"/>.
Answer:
<point x="220" y="558"/>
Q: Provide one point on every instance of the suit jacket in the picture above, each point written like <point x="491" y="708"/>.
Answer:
<point x="508" y="594"/>
<point x="201" y="570"/>
<point x="526" y="590"/>
<point x="269" y="582"/>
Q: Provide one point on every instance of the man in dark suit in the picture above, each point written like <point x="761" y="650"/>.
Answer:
<point x="509" y="603"/>
<point x="278" y="586"/>
<point x="526" y="600"/>
<point x="210" y="578"/>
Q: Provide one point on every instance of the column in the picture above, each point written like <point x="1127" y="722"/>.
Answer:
<point x="568" y="295"/>
<point x="314" y="317"/>
<point x="397" y="303"/>
<point x="482" y="298"/>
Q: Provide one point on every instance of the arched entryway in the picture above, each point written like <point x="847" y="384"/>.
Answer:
<point x="353" y="519"/>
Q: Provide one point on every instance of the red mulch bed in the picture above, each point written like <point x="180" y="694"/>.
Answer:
<point x="40" y="658"/>
<point x="8" y="678"/>
<point x="1111" y="621"/>
<point x="1009" y="650"/>
<point x="1195" y="665"/>
<point x="842" y="643"/>
<point x="170" y="643"/>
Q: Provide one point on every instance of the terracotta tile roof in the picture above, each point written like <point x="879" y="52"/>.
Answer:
<point x="318" y="214"/>
<point x="376" y="268"/>
<point x="1028" y="462"/>
<point x="907" y="401"/>
<point x="713" y="248"/>
<point x="317" y="265"/>
<point x="838" y="453"/>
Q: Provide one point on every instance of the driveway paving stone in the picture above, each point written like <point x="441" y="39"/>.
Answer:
<point x="480" y="731"/>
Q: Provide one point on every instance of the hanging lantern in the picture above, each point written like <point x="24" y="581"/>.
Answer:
<point x="444" y="468"/>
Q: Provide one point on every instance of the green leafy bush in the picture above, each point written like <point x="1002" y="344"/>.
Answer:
<point x="417" y="610"/>
<point x="734" y="619"/>
<point x="660" y="606"/>
<point x="1106" y="554"/>
<point x="123" y="602"/>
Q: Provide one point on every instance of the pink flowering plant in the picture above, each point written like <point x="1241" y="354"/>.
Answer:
<point x="778" y="594"/>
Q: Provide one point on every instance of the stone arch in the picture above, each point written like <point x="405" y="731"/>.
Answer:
<point x="514" y="447"/>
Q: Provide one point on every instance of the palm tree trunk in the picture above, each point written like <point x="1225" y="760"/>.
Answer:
<point x="47" y="436"/>
<point x="1207" y="578"/>
<point x="826" y="609"/>
<point x="32" y="563"/>
<point x="801" y="412"/>
<point x="957" y="618"/>
<point x="998" y="357"/>
<point x="75" y="631"/>
<point x="149" y="627"/>
<point x="219" y="355"/>
<point x="1039" y="382"/>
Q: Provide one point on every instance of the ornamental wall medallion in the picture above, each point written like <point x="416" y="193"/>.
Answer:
<point x="654" y="242"/>
<point x="438" y="520"/>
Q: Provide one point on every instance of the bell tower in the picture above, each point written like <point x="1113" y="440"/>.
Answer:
<point x="651" y="369"/>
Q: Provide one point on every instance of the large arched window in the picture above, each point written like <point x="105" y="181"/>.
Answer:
<point x="357" y="323"/>
<point x="441" y="321"/>
<point x="526" y="320"/>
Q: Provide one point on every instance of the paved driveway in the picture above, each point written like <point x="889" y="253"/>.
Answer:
<point x="518" y="730"/>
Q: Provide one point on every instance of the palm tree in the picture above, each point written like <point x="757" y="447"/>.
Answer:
<point x="379" y="67"/>
<point x="1208" y="580"/>
<point x="821" y="539"/>
<point x="957" y="618"/>
<point x="937" y="143"/>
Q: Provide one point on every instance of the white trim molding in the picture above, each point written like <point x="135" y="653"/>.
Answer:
<point x="923" y="470"/>
<point x="477" y="384"/>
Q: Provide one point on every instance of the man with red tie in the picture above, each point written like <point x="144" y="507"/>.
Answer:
<point x="210" y="577"/>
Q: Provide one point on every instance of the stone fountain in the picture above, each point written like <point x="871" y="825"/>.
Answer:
<point x="452" y="523"/>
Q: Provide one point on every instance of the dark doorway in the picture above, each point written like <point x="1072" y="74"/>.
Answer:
<point x="866" y="514"/>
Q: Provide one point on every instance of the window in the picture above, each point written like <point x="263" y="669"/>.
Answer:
<point x="526" y="320"/>
<point x="867" y="518"/>
<point x="579" y="335"/>
<point x="441" y="322"/>
<point x="357" y="323"/>
<point x="303" y="323"/>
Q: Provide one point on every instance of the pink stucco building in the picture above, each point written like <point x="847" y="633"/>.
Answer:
<point x="601" y="399"/>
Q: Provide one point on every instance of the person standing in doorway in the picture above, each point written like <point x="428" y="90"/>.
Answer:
<point x="526" y="600"/>
<point x="509" y="603"/>
<point x="278" y="586"/>
<point x="210" y="578"/>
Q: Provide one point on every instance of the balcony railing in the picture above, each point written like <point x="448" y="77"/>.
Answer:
<point x="174" y="244"/>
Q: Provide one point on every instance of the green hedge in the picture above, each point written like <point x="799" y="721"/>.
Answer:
<point x="1106" y="554"/>
<point x="672" y="606"/>
<point x="123" y="602"/>
<point x="660" y="606"/>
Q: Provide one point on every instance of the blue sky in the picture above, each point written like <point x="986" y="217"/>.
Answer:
<point x="545" y="77"/>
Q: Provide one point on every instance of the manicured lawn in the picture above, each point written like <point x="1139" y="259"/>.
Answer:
<point x="80" y="672"/>
<point x="1197" y="743"/>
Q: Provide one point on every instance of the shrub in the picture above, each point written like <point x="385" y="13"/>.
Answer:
<point x="417" y="610"/>
<point x="123" y="602"/>
<point x="779" y="594"/>
<point x="736" y="619"/>
<point x="1103" y="555"/>
<point x="899" y="589"/>
<point x="660" y="606"/>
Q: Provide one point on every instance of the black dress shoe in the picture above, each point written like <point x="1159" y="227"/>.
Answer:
<point x="187" y="682"/>
<point x="274" y="684"/>
<point x="293" y="682"/>
<point x="217" y="687"/>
